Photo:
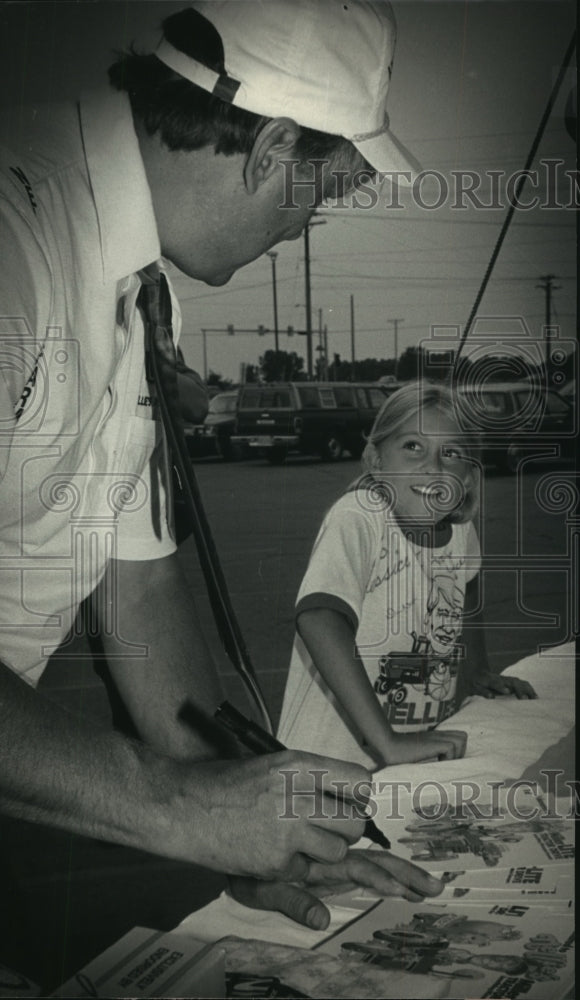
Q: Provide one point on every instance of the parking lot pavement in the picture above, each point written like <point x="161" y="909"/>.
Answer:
<point x="82" y="894"/>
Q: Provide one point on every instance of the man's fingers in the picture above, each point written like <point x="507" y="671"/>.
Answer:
<point x="324" y="794"/>
<point x="322" y="845"/>
<point x="296" y="870"/>
<point x="294" y="901"/>
<point x="391" y="875"/>
<point x="348" y="830"/>
<point x="342" y="779"/>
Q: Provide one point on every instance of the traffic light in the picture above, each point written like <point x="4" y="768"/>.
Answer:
<point x="230" y="329"/>
<point x="290" y="331"/>
<point x="261" y="330"/>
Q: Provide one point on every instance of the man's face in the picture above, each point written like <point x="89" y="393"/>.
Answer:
<point x="243" y="227"/>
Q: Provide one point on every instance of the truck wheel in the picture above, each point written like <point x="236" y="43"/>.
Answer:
<point x="332" y="448"/>
<point x="277" y="455"/>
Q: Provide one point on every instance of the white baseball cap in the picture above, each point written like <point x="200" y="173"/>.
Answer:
<point x="324" y="63"/>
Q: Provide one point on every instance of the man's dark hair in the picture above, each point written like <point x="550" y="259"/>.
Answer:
<point x="188" y="117"/>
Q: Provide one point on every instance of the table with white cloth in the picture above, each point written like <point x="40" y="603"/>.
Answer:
<point x="508" y="739"/>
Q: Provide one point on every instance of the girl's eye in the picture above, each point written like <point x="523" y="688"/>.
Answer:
<point x="455" y="453"/>
<point x="412" y="445"/>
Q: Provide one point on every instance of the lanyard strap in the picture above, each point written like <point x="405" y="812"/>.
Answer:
<point x="155" y="302"/>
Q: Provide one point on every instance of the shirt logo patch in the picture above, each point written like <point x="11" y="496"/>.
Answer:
<point x="147" y="407"/>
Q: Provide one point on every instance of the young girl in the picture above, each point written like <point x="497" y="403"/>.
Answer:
<point x="379" y="612"/>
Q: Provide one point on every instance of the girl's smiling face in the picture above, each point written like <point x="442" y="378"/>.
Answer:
<point x="426" y="466"/>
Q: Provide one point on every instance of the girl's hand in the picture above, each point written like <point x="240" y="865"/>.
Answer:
<point x="488" y="685"/>
<point x="408" y="748"/>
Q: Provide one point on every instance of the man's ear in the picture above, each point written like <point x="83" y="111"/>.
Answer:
<point x="274" y="142"/>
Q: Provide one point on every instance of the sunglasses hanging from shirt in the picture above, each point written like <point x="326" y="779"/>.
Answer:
<point x="155" y="303"/>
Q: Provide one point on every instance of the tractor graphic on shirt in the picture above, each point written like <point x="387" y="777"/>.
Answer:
<point x="419" y="669"/>
<point x="431" y="664"/>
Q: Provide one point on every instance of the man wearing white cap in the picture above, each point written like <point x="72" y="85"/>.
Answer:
<point x="184" y="159"/>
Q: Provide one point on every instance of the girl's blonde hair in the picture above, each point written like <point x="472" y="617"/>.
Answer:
<point x="411" y="399"/>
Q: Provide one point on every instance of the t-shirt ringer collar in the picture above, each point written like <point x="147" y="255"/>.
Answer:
<point x="128" y="230"/>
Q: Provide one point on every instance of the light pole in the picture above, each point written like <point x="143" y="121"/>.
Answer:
<point x="273" y="255"/>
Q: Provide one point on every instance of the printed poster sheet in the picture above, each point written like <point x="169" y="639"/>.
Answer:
<point x="456" y="840"/>
<point x="549" y="885"/>
<point x="506" y="950"/>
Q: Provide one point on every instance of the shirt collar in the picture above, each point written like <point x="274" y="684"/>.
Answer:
<point x="128" y="229"/>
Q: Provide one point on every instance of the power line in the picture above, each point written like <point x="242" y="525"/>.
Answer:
<point x="350" y="216"/>
<point x="513" y="202"/>
<point x="427" y="280"/>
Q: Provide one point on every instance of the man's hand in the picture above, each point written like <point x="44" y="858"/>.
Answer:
<point x="488" y="685"/>
<point x="384" y="873"/>
<point x="409" y="748"/>
<point x="243" y="817"/>
<point x="264" y="816"/>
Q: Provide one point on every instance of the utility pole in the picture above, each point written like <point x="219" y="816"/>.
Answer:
<point x="395" y="323"/>
<point x="308" y="301"/>
<point x="352" y="335"/>
<point x="548" y="287"/>
<point x="320" y="222"/>
<point x="273" y="255"/>
<point x="320" y="347"/>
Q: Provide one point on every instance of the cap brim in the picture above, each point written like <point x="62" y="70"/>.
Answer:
<point x="386" y="154"/>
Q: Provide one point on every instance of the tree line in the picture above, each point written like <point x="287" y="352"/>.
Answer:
<point x="414" y="362"/>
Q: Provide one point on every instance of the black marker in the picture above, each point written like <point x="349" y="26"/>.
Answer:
<point x="260" y="742"/>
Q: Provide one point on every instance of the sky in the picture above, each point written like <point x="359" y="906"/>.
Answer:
<point x="470" y="83"/>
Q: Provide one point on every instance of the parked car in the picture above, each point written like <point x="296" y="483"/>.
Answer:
<point x="515" y="419"/>
<point x="308" y="418"/>
<point x="214" y="435"/>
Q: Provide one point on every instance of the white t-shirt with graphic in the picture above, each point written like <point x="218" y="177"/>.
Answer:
<point x="405" y="603"/>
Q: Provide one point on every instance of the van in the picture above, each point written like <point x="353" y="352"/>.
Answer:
<point x="307" y="418"/>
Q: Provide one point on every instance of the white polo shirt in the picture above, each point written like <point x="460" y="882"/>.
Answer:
<point x="79" y="446"/>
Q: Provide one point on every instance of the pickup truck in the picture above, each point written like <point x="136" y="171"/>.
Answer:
<point x="307" y="418"/>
